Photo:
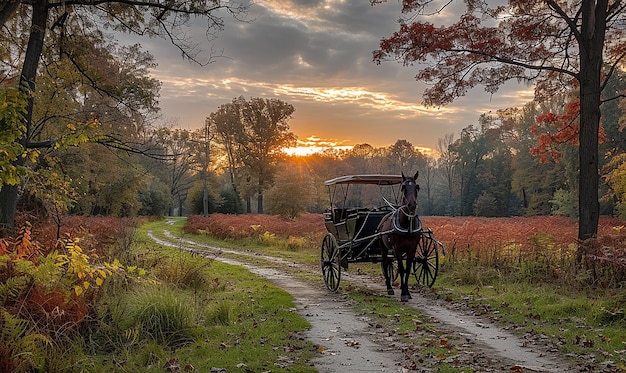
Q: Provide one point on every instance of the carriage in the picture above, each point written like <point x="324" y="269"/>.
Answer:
<point x="354" y="231"/>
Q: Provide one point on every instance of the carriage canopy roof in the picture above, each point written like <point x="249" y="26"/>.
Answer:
<point x="376" y="179"/>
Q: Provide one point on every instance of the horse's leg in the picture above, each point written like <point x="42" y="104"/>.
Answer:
<point x="386" y="269"/>
<point x="410" y="258"/>
<point x="403" y="271"/>
<point x="407" y="275"/>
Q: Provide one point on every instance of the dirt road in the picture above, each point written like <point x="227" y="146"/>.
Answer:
<point x="355" y="343"/>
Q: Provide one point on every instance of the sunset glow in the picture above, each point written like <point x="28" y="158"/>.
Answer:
<point x="314" y="145"/>
<point x="317" y="56"/>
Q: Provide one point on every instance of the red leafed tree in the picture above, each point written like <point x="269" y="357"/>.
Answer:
<point x="557" y="45"/>
<point x="554" y="129"/>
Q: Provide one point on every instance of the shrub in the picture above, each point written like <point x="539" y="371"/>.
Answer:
<point x="184" y="271"/>
<point x="49" y="289"/>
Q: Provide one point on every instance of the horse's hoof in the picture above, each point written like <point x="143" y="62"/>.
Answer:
<point x="405" y="298"/>
<point x="390" y="292"/>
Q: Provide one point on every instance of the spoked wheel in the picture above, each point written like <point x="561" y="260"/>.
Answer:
<point x="331" y="262"/>
<point x="392" y="267"/>
<point x="426" y="263"/>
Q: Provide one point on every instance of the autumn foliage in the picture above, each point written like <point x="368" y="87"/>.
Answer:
<point x="555" y="129"/>
<point x="48" y="287"/>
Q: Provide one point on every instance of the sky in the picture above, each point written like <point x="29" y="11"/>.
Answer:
<point x="317" y="56"/>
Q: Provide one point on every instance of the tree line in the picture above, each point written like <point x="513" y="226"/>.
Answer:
<point x="494" y="167"/>
<point x="74" y="101"/>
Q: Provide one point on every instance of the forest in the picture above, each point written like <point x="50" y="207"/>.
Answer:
<point x="494" y="167"/>
<point x="88" y="138"/>
<point x="501" y="165"/>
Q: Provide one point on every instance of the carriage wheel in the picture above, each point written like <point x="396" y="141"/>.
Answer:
<point x="331" y="262"/>
<point x="426" y="263"/>
<point x="392" y="266"/>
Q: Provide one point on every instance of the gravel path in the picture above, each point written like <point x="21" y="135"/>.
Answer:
<point x="353" y="343"/>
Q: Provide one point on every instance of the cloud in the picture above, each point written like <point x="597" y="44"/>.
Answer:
<point x="317" y="55"/>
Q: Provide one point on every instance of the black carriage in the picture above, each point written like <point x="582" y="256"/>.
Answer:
<point x="353" y="235"/>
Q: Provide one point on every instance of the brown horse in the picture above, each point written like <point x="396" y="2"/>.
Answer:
<point x="401" y="231"/>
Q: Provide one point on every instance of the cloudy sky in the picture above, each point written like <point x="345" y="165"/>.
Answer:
<point x="317" y="56"/>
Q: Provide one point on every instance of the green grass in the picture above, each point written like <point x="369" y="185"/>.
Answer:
<point x="309" y="256"/>
<point x="267" y="244"/>
<point x="581" y="323"/>
<point x="192" y="312"/>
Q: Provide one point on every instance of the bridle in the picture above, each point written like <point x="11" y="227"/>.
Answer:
<point x="415" y="225"/>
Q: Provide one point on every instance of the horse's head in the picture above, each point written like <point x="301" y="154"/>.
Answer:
<point x="409" y="193"/>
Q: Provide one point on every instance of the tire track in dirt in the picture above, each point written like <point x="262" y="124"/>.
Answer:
<point x="354" y="345"/>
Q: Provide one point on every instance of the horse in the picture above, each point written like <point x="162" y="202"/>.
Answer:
<point x="400" y="232"/>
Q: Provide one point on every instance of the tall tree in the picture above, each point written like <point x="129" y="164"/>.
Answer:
<point x="177" y="163"/>
<point x="267" y="133"/>
<point x="470" y="150"/>
<point x="557" y="44"/>
<point x="448" y="164"/>
<point x="226" y="128"/>
<point x="252" y="134"/>
<point x="46" y="25"/>
<point x="405" y="158"/>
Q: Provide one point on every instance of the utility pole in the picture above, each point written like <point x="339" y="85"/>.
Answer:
<point x="205" y="197"/>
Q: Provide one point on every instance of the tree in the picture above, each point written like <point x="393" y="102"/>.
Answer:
<point x="558" y="45"/>
<point x="267" y="133"/>
<point x="533" y="182"/>
<point x="44" y="26"/>
<point x="292" y="192"/>
<point x="405" y="158"/>
<point x="361" y="159"/>
<point x="252" y="133"/>
<point x="616" y="178"/>
<point x="226" y="128"/>
<point x="470" y="150"/>
<point x="177" y="162"/>
<point x="448" y="163"/>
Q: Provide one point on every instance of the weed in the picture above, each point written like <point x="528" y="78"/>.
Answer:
<point x="218" y="314"/>
<point x="151" y="354"/>
<point x="21" y="347"/>
<point x="162" y="316"/>
<point x="184" y="271"/>
<point x="295" y="243"/>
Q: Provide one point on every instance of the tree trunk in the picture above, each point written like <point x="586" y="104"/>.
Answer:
<point x="10" y="193"/>
<point x="259" y="202"/>
<point x="591" y="43"/>
<point x="588" y="205"/>
<point x="8" y="202"/>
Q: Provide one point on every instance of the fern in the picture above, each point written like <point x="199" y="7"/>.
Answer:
<point x="19" y="344"/>
<point x="13" y="288"/>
